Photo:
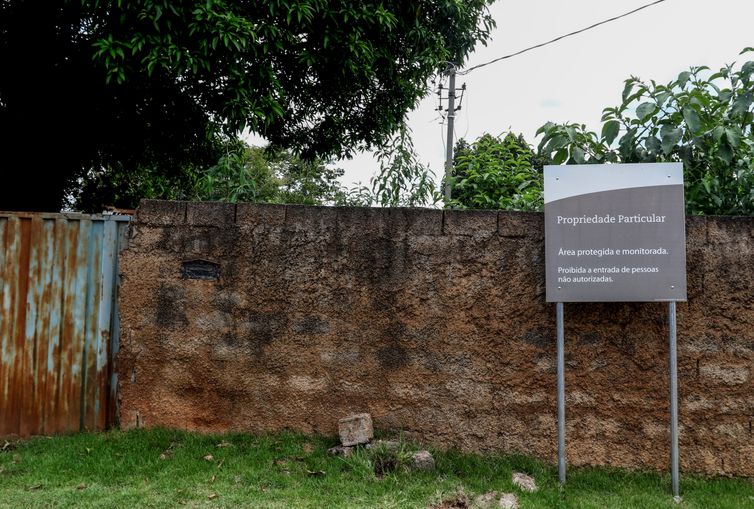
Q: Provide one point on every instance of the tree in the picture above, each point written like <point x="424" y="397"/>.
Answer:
<point x="150" y="85"/>
<point x="242" y="173"/>
<point x="701" y="118"/>
<point x="402" y="180"/>
<point x="496" y="173"/>
<point x="259" y="175"/>
<point x="119" y="188"/>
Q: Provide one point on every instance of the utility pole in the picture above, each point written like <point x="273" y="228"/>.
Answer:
<point x="451" y="118"/>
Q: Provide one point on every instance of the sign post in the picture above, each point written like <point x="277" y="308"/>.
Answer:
<point x="561" y="395"/>
<point x="615" y="233"/>
<point x="673" y="361"/>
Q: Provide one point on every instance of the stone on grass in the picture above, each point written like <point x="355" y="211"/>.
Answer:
<point x="490" y="500"/>
<point x="355" y="429"/>
<point x="524" y="482"/>
<point x="509" y="501"/>
<point x="485" y="501"/>
<point x="340" y="450"/>
<point x="423" y="460"/>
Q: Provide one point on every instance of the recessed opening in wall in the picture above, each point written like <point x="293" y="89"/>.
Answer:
<point x="200" y="269"/>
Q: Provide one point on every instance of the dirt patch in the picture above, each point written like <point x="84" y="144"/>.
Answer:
<point x="455" y="502"/>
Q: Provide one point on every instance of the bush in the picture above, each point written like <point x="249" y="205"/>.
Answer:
<point x="496" y="173"/>
<point x="702" y="119"/>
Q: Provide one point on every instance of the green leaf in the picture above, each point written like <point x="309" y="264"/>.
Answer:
<point x="556" y="142"/>
<point x="631" y="98"/>
<point x="545" y="129"/>
<point x="609" y="114"/>
<point x="717" y="133"/>
<point x="560" y="156"/>
<point x="653" y="145"/>
<point x="627" y="89"/>
<point x="627" y="144"/>
<point x="733" y="137"/>
<point x="571" y="132"/>
<point x="578" y="155"/>
<point x="670" y="137"/>
<point x="692" y="119"/>
<point x="725" y="95"/>
<point x="662" y="97"/>
<point x="741" y="104"/>
<point x="747" y="69"/>
<point x="683" y="78"/>
<point x="725" y="153"/>
<point x="610" y="131"/>
<point x="645" y="110"/>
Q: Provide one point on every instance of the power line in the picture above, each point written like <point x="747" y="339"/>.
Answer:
<point x="561" y="37"/>
<point x="468" y="108"/>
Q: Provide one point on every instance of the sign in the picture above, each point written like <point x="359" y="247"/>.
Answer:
<point x="615" y="233"/>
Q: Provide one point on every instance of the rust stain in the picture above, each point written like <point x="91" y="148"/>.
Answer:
<point x="55" y="352"/>
<point x="19" y="318"/>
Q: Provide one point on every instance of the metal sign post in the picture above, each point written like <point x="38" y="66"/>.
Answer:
<point x="561" y="396"/>
<point x="615" y="233"/>
<point x="673" y="399"/>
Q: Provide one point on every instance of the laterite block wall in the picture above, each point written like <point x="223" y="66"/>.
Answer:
<point x="261" y="317"/>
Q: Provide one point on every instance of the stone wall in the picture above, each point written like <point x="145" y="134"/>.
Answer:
<point x="261" y="317"/>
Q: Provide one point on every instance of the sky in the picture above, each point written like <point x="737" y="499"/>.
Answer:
<point x="574" y="79"/>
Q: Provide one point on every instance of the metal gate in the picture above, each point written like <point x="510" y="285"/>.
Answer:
<point x="58" y="321"/>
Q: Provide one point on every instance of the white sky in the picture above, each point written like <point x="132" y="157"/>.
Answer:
<point x="574" y="79"/>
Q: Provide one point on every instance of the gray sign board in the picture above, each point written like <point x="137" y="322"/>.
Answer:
<point x="615" y="233"/>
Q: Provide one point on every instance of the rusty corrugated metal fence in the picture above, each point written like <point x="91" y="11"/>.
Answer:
<point x="58" y="321"/>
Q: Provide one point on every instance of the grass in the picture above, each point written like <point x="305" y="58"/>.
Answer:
<point x="163" y="468"/>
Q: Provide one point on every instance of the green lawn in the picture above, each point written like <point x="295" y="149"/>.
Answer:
<point x="162" y="468"/>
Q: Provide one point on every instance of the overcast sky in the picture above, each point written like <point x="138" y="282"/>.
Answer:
<point x="574" y="79"/>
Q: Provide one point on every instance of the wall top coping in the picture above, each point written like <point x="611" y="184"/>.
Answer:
<point x="415" y="221"/>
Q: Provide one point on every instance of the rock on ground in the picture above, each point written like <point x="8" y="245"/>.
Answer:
<point x="485" y="500"/>
<point x="423" y="460"/>
<point x="355" y="429"/>
<point x="524" y="482"/>
<point x="509" y="501"/>
<point x="490" y="500"/>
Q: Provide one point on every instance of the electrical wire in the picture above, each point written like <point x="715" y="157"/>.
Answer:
<point x="468" y="106"/>
<point x="467" y="71"/>
<point x="442" y="137"/>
